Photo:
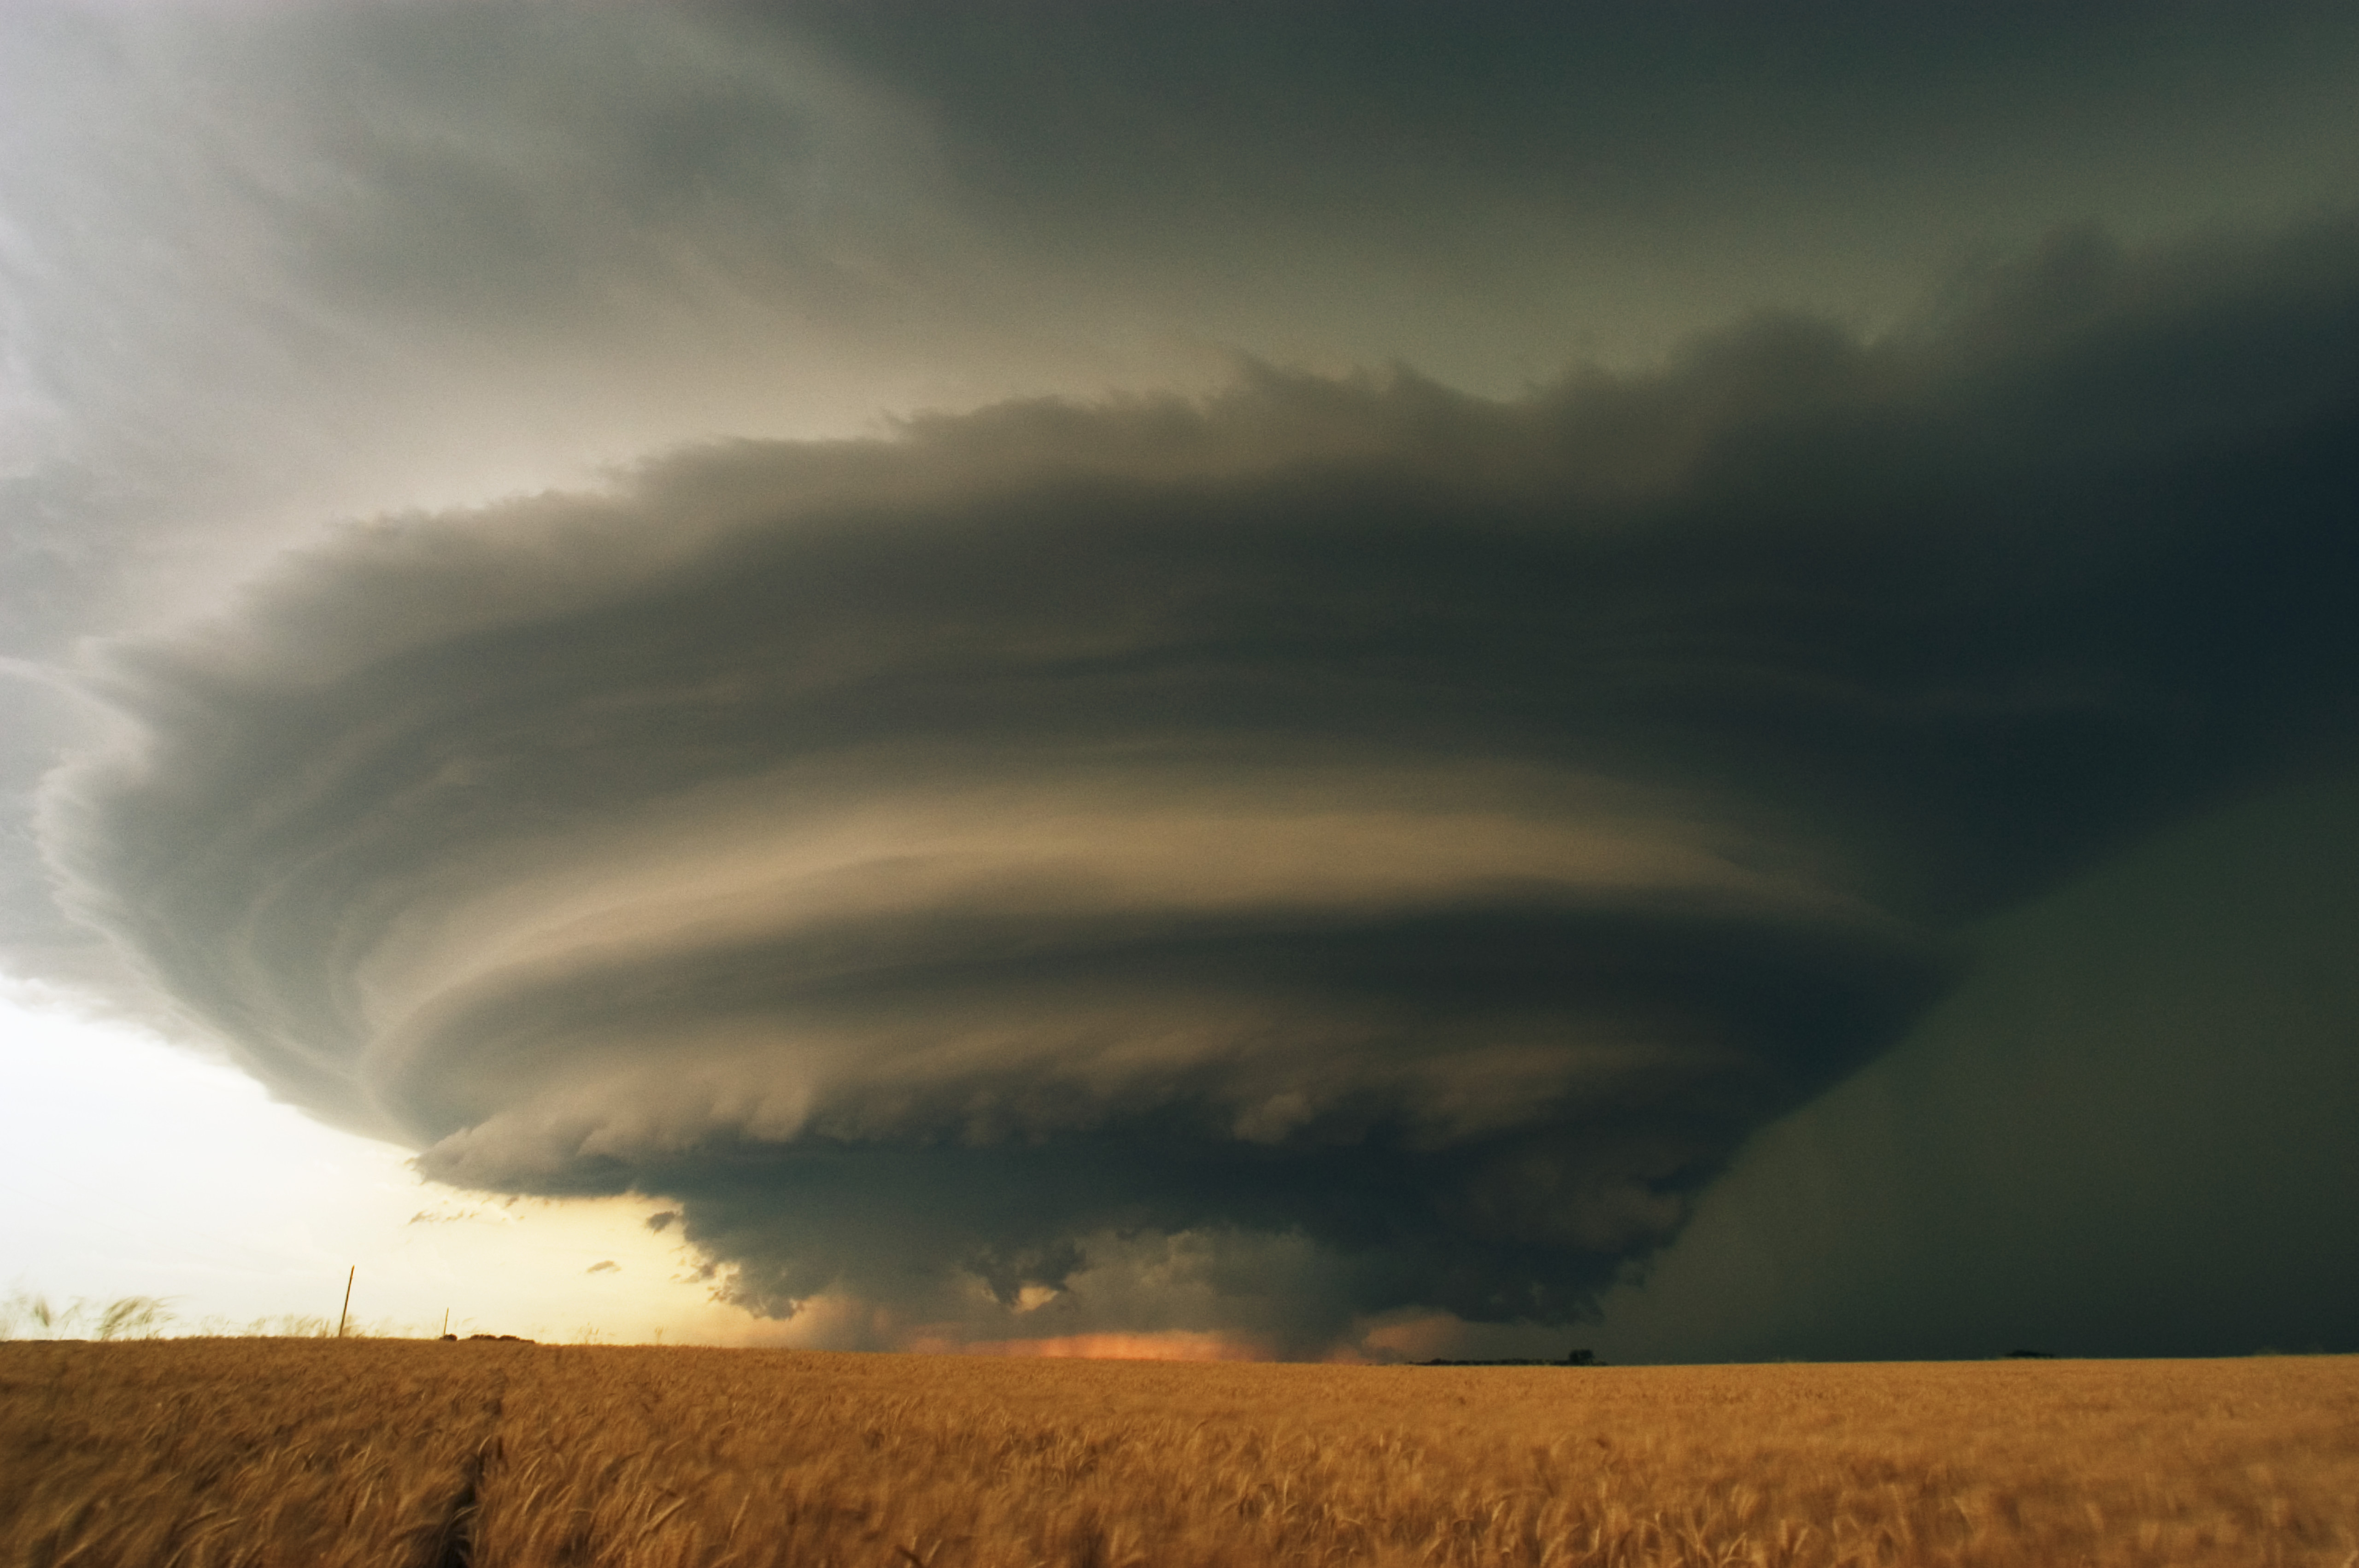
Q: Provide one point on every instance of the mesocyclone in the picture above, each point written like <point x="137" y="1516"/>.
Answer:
<point x="1427" y="833"/>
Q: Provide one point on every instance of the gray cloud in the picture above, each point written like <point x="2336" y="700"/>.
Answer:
<point x="1470" y="187"/>
<point x="2124" y="1134"/>
<point x="320" y="224"/>
<point x="1337" y="847"/>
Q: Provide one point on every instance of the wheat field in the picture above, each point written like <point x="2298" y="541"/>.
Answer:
<point x="514" y="1456"/>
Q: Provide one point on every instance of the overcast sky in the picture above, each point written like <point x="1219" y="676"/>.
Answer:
<point x="1312" y="680"/>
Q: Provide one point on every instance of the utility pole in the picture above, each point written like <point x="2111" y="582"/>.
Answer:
<point x="446" y="1317"/>
<point x="347" y="1315"/>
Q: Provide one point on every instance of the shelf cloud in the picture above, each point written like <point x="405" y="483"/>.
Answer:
<point x="1247" y="863"/>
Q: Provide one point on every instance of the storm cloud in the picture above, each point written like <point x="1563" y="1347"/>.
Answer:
<point x="1336" y="847"/>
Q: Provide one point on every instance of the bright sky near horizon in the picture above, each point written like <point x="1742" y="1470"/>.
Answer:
<point x="235" y="1210"/>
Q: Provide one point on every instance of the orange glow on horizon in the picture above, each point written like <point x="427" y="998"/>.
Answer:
<point x="1171" y="1345"/>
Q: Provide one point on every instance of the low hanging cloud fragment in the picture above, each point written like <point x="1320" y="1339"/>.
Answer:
<point x="1245" y="866"/>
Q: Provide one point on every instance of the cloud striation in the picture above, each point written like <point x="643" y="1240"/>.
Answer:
<point x="1249" y="864"/>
